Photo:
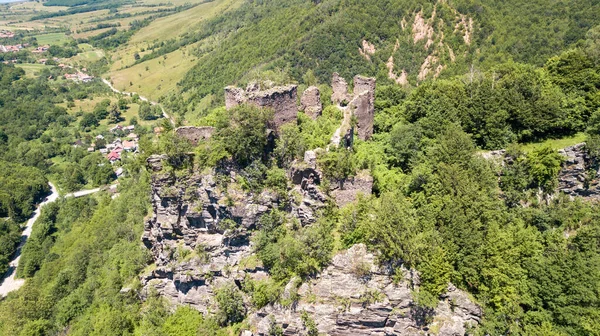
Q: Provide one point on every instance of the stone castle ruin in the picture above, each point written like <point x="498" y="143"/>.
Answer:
<point x="282" y="99"/>
<point x="195" y="134"/>
<point x="361" y="102"/>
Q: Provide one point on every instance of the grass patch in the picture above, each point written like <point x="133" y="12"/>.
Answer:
<point x="161" y="76"/>
<point x="555" y="144"/>
<point x="52" y="39"/>
<point x="31" y="70"/>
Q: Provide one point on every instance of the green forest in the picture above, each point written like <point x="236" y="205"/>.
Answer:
<point x="529" y="255"/>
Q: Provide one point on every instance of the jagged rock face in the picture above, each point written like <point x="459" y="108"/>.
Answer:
<point x="354" y="296"/>
<point x="573" y="178"/>
<point x="574" y="173"/>
<point x="348" y="192"/>
<point x="282" y="99"/>
<point x="340" y="89"/>
<point x="195" y="134"/>
<point x="192" y="248"/>
<point x="311" y="102"/>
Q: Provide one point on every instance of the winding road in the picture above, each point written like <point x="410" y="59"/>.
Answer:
<point x="10" y="283"/>
<point x="142" y="98"/>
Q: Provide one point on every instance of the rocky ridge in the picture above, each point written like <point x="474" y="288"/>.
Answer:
<point x="200" y="239"/>
<point x="355" y="296"/>
<point x="573" y="178"/>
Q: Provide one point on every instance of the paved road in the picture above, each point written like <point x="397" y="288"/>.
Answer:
<point x="10" y="283"/>
<point x="141" y="98"/>
<point x="82" y="193"/>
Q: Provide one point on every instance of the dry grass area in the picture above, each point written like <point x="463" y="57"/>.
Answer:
<point x="174" y="25"/>
<point x="156" y="77"/>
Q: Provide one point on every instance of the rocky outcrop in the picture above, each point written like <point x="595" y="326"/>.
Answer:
<point x="311" y="102"/>
<point x="199" y="235"/>
<point x="354" y="296"/>
<point x="234" y="96"/>
<point x="282" y="99"/>
<point x="574" y="179"/>
<point x="348" y="191"/>
<point x="200" y="230"/>
<point x="195" y="134"/>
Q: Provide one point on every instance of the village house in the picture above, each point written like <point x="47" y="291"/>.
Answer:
<point x="79" y="76"/>
<point x="6" y="34"/>
<point x="10" y="48"/>
<point x="41" y="49"/>
<point x="129" y="146"/>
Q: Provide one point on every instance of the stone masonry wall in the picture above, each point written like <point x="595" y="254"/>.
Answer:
<point x="282" y="99"/>
<point x="195" y="134"/>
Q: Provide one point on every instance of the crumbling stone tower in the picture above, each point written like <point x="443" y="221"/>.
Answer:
<point x="282" y="99"/>
<point x="362" y="101"/>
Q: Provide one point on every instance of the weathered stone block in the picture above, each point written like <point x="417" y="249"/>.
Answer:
<point x="362" y="183"/>
<point x="311" y="102"/>
<point x="365" y="114"/>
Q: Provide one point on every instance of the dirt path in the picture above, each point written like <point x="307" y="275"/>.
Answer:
<point x="142" y="98"/>
<point x="10" y="283"/>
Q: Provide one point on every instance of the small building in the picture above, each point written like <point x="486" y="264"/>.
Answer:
<point x="90" y="149"/>
<point x="129" y="146"/>
<point x="103" y="150"/>
<point x="116" y="128"/>
<point x="99" y="136"/>
<point x="119" y="171"/>
<point x="113" y="156"/>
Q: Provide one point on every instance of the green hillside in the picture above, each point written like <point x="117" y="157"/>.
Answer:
<point x="424" y="39"/>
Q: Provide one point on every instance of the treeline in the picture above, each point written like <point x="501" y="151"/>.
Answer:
<point x="21" y="188"/>
<point x="73" y="3"/>
<point x="510" y="103"/>
<point x="82" y="253"/>
<point x="113" y="38"/>
<point x="100" y="26"/>
<point x="77" y="10"/>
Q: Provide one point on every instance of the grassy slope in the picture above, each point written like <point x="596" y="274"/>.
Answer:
<point x="174" y="25"/>
<point x="163" y="74"/>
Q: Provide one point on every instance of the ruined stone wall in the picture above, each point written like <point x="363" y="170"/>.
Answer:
<point x="234" y="96"/>
<point x="340" y="89"/>
<point x="195" y="134"/>
<point x="282" y="99"/>
<point x="364" y="105"/>
<point x="361" y="102"/>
